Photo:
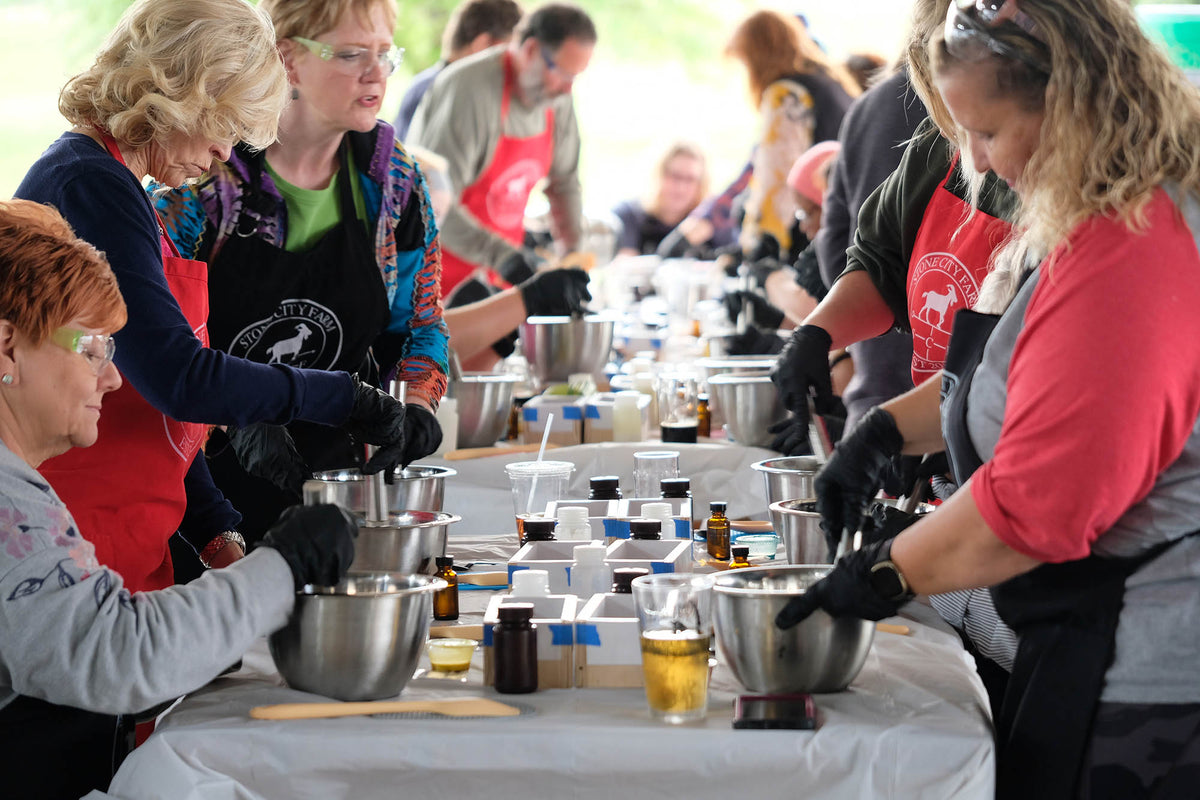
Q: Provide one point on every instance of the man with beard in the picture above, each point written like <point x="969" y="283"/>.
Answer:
<point x="504" y="120"/>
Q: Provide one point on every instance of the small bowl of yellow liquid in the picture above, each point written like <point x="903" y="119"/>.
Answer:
<point x="451" y="655"/>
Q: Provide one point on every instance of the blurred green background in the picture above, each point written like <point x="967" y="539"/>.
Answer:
<point x="658" y="74"/>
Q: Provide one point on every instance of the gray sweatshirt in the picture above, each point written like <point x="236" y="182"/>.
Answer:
<point x="71" y="633"/>
<point x="459" y="119"/>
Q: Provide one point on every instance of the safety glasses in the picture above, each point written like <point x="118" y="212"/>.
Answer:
<point x="354" y="60"/>
<point x="97" y="348"/>
<point x="969" y="32"/>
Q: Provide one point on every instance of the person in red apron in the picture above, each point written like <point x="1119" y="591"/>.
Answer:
<point x="322" y="249"/>
<point x="1078" y="504"/>
<point x="131" y="490"/>
<point x="510" y="146"/>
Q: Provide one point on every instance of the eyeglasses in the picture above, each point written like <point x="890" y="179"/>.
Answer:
<point x="354" y="60"/>
<point x="968" y="32"/>
<point x="97" y="348"/>
<point x="552" y="66"/>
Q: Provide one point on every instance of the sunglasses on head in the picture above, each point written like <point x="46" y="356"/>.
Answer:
<point x="969" y="32"/>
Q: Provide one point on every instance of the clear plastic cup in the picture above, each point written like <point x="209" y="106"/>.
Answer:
<point x="537" y="483"/>
<point x="676" y="626"/>
<point x="650" y="467"/>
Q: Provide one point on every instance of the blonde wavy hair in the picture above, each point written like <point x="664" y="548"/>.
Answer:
<point x="653" y="200"/>
<point x="774" y="45"/>
<point x="1120" y="121"/>
<point x="198" y="67"/>
<point x="309" y="18"/>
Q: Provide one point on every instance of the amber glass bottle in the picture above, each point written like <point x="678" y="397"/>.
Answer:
<point x="445" y="601"/>
<point x="718" y="531"/>
<point x="703" y="416"/>
<point x="741" y="557"/>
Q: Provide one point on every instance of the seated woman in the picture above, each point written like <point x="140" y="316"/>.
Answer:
<point x="680" y="182"/>
<point x="79" y="649"/>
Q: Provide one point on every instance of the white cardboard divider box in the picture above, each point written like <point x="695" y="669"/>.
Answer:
<point x="554" y="615"/>
<point x="598" y="511"/>
<point x="607" y="643"/>
<point x="656" y="555"/>
<point x="567" y="427"/>
<point x="555" y="557"/>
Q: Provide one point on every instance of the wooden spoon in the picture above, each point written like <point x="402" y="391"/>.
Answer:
<point x="465" y="707"/>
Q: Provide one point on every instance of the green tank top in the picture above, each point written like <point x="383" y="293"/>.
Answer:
<point x="311" y="213"/>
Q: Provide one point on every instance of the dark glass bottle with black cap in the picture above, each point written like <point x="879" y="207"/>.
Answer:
<point x="539" y="530"/>
<point x="514" y="649"/>
<point x="623" y="579"/>
<point x="675" y="487"/>
<point x="604" y="487"/>
<point x="718" y="531"/>
<point x="445" y="601"/>
<point x="645" y="529"/>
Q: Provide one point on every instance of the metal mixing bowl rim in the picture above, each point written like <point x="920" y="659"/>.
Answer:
<point x="554" y="319"/>
<point x="733" y="377"/>
<point x="486" y="377"/>
<point x="786" y="506"/>
<point x="735" y="361"/>
<point x="432" y="519"/>
<point x="743" y="574"/>
<point x="428" y="583"/>
<point x="341" y="476"/>
<point x="766" y="465"/>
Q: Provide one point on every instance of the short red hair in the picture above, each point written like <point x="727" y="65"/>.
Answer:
<point x="49" y="276"/>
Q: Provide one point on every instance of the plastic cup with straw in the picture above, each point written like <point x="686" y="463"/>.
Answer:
<point x="528" y="477"/>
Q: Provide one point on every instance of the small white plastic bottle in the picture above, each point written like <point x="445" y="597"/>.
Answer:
<point x="627" y="416"/>
<point x="530" y="584"/>
<point x="589" y="574"/>
<point x="573" y="524"/>
<point x="662" y="513"/>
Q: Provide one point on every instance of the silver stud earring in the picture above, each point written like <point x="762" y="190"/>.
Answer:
<point x="6" y="380"/>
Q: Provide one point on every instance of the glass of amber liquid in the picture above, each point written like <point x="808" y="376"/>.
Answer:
<point x="675" y="621"/>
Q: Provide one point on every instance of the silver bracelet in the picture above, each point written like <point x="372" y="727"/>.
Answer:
<point x="219" y="543"/>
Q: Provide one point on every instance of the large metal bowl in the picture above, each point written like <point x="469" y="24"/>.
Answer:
<point x="798" y="524"/>
<point x="418" y="487"/>
<point x="406" y="542"/>
<point x="359" y="640"/>
<point x="788" y="478"/>
<point x="821" y="654"/>
<point x="558" y="347"/>
<point x="484" y="404"/>
<point x="726" y="365"/>
<point x="750" y="405"/>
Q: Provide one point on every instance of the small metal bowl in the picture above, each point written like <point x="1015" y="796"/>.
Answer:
<point x="406" y="542"/>
<point x="418" y="487"/>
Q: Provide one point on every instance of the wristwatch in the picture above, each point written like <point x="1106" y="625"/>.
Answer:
<point x="219" y="543"/>
<point x="888" y="581"/>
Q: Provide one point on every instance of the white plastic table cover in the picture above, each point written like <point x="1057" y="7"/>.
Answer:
<point x="914" y="723"/>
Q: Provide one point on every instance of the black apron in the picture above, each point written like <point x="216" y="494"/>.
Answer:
<point x="1065" y="616"/>
<point x="320" y="309"/>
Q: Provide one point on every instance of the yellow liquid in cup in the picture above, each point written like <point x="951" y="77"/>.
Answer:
<point x="675" y="669"/>
<point x="451" y="655"/>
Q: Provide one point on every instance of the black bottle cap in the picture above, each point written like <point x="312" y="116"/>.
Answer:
<point x="444" y="561"/>
<point x="740" y="551"/>
<point x="605" y="482"/>
<point x="715" y="505"/>
<point x="516" y="612"/>
<point x="540" y="530"/>
<point x="675" y="487"/>
<point x="623" y="578"/>
<point x="645" y="528"/>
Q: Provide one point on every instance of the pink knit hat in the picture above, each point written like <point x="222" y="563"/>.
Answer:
<point x="807" y="176"/>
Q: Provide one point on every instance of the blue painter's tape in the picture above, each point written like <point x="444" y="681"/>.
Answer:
<point x="591" y="412"/>
<point x="683" y="529"/>
<point x="514" y="568"/>
<point x="661" y="566"/>
<point x="616" y="528"/>
<point x="528" y="414"/>
<point x="574" y="413"/>
<point x="487" y="635"/>
<point x="587" y="634"/>
<point x="562" y="634"/>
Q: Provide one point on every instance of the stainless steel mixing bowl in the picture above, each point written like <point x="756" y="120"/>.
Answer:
<point x="417" y="488"/>
<point x="723" y="365"/>
<point x="750" y="405"/>
<point x="789" y="477"/>
<point x="798" y="524"/>
<point x="406" y="542"/>
<point x="821" y="654"/>
<point x="484" y="403"/>
<point x="359" y="640"/>
<point x="558" y="347"/>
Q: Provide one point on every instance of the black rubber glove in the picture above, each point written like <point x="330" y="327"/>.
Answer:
<point x="762" y="313"/>
<point x="847" y="591"/>
<point x="519" y="267"/>
<point x="268" y="452"/>
<point x="791" y="436"/>
<point x="767" y="248"/>
<point x="673" y="245"/>
<point x="762" y="269"/>
<point x="377" y="418"/>
<point x="886" y="522"/>
<point x="854" y="473"/>
<point x="804" y="364"/>
<point x="556" y="293"/>
<point x="316" y="541"/>
<point x="754" y="342"/>
<point x="422" y="434"/>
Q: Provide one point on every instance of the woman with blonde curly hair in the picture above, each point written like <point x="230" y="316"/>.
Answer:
<point x="801" y="95"/>
<point x="1072" y="419"/>
<point x="174" y="87"/>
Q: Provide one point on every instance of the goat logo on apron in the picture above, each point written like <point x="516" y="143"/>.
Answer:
<point x="507" y="196"/>
<point x="300" y="333"/>
<point x="938" y="286"/>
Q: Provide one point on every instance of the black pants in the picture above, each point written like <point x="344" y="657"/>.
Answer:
<point x="1143" y="751"/>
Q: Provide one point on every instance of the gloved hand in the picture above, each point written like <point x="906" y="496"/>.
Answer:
<point x="885" y="522"/>
<point x="852" y="476"/>
<point x="377" y="418"/>
<point x="519" y="267"/>
<point x="850" y="590"/>
<point x="316" y="541"/>
<point x="556" y="292"/>
<point x="762" y="269"/>
<point x="791" y="436"/>
<point x="762" y="313"/>
<point x="804" y="363"/>
<point x="506" y="345"/>
<point x="268" y="452"/>
<point x="754" y="342"/>
<point x="422" y="434"/>
<point x="767" y="248"/>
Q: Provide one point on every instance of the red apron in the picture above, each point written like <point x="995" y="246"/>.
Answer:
<point x="126" y="491"/>
<point x="498" y="197"/>
<point x="945" y="271"/>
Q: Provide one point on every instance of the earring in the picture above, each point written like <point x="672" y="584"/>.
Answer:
<point x="6" y="380"/>
<point x="295" y="93"/>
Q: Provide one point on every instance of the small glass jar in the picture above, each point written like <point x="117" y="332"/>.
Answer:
<point x="703" y="416"/>
<point x="718" y="531"/>
<point x="514" y="649"/>
<point x="445" y="601"/>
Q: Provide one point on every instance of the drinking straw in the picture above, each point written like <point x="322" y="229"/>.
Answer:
<point x="541" y="452"/>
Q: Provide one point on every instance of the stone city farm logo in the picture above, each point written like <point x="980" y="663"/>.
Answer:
<point x="300" y="333"/>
